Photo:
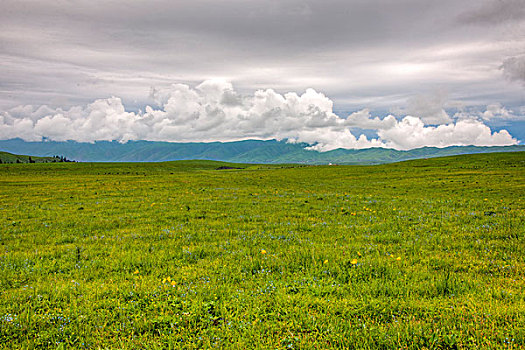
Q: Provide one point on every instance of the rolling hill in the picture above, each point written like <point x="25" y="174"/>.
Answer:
<point x="10" y="158"/>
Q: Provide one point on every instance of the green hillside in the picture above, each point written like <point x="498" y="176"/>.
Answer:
<point x="9" y="158"/>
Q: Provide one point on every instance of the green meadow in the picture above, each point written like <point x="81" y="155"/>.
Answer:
<point x="420" y="254"/>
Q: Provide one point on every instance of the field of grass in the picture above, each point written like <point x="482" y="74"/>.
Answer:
<point x="426" y="253"/>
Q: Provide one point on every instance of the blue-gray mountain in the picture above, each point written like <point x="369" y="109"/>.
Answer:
<point x="248" y="151"/>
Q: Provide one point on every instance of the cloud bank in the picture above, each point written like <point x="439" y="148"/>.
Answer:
<point x="363" y="54"/>
<point x="214" y="111"/>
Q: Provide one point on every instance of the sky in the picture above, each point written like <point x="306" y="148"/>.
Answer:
<point x="400" y="74"/>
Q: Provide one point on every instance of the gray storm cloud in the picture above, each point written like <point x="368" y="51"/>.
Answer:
<point x="496" y="12"/>
<point x="215" y="111"/>
<point x="514" y="68"/>
<point x="363" y="54"/>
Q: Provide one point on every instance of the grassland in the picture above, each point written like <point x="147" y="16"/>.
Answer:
<point x="426" y="253"/>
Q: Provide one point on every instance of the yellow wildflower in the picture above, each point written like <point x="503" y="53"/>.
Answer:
<point x="354" y="261"/>
<point x="263" y="251"/>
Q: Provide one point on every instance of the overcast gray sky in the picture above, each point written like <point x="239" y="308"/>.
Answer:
<point x="442" y="63"/>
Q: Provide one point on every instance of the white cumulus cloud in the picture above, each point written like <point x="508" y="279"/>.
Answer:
<point x="497" y="111"/>
<point x="214" y="111"/>
<point x="411" y="132"/>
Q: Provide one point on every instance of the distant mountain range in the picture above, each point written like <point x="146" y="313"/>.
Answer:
<point x="248" y="151"/>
